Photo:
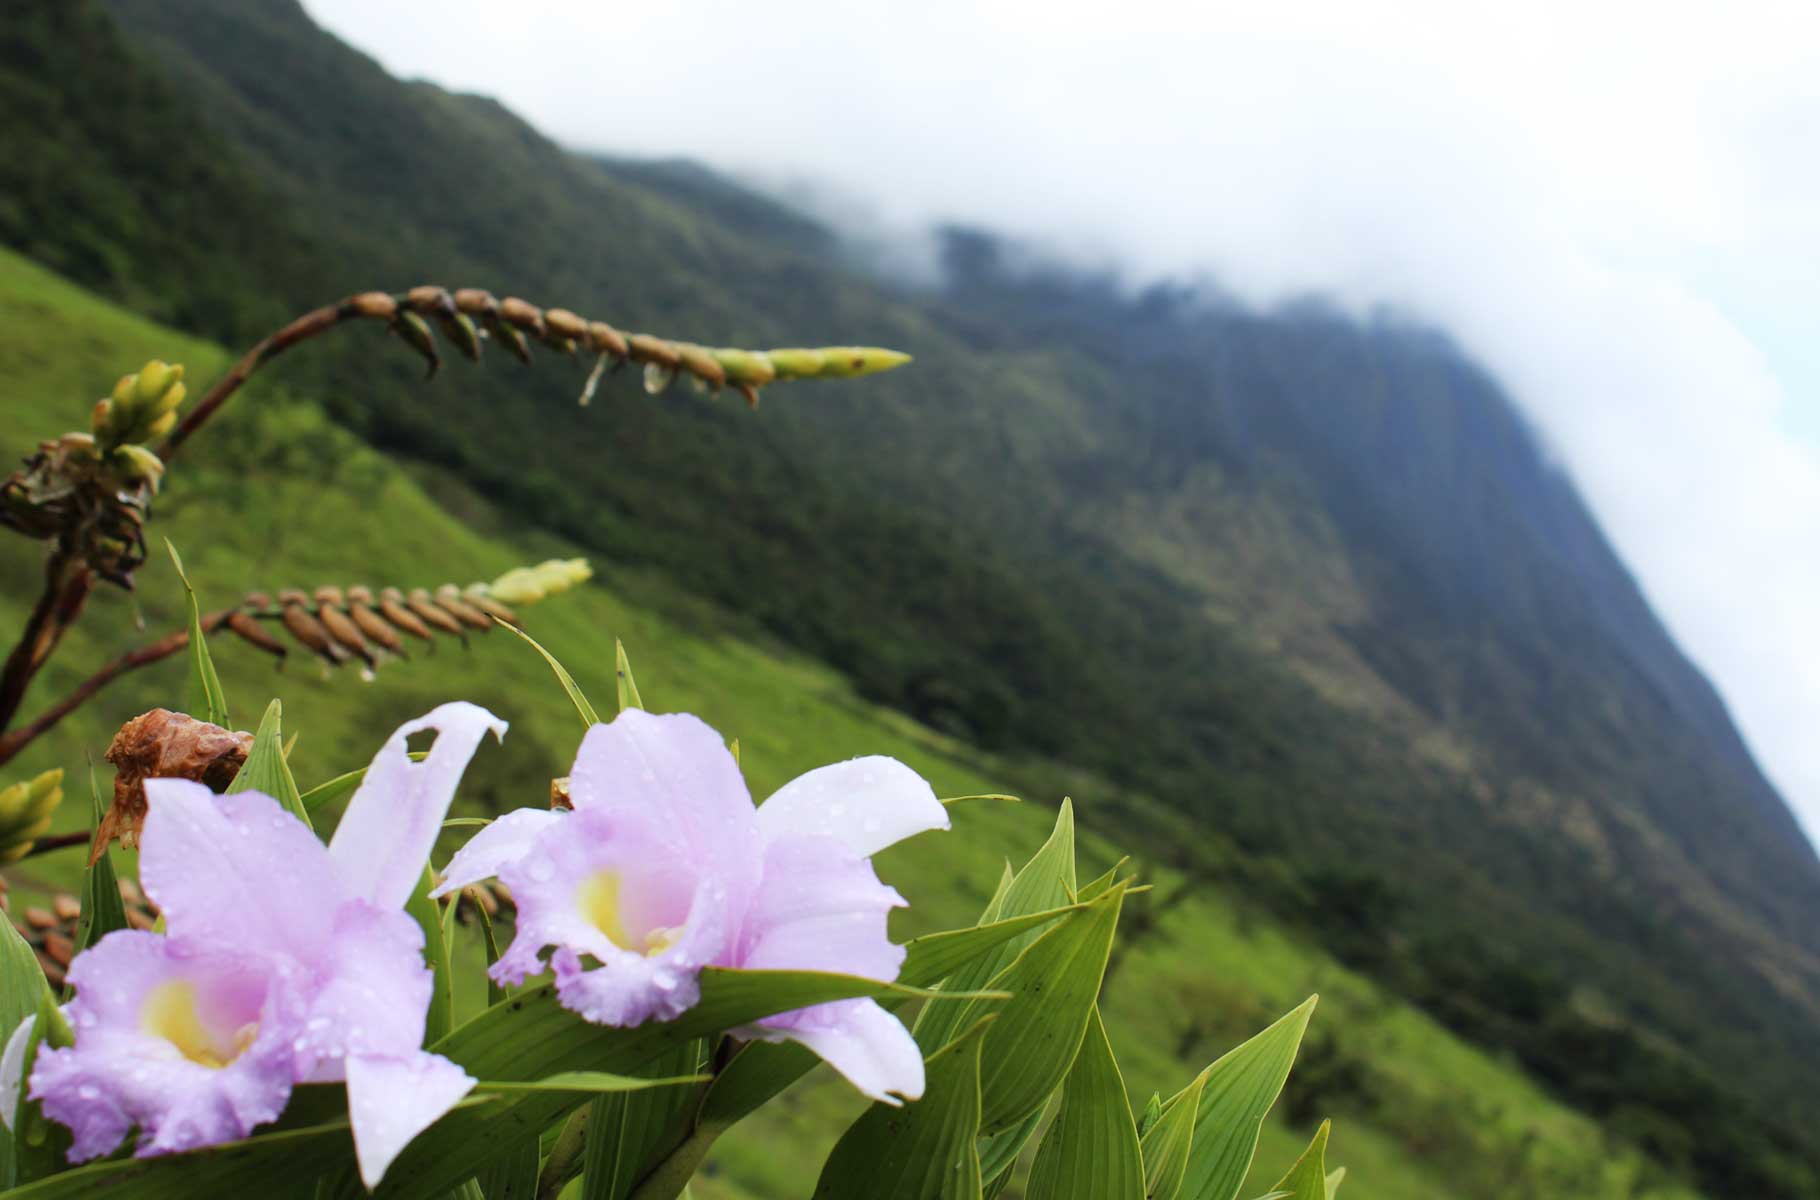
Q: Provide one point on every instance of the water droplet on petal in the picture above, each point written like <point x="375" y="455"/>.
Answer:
<point x="541" y="869"/>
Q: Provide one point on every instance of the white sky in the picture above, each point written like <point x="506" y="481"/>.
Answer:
<point x="1615" y="206"/>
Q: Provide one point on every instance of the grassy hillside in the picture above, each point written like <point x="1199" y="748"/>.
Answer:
<point x="277" y="495"/>
<point x="1308" y="582"/>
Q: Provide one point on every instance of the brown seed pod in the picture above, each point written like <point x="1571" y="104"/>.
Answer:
<point x="375" y="305"/>
<point x="360" y="607"/>
<point x="251" y="631"/>
<point x="423" y="606"/>
<point x="259" y="601"/>
<point x="449" y="597"/>
<point x="563" y="323"/>
<point x="699" y="363"/>
<point x="66" y="907"/>
<point x="476" y="302"/>
<point x="522" y="314"/>
<point x="304" y="626"/>
<point x="343" y="630"/>
<point x="493" y="608"/>
<point x="393" y="608"/>
<point x="643" y="348"/>
<point x="604" y="339"/>
<point x="430" y="300"/>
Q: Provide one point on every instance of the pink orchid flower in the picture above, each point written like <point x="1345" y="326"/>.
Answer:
<point x="285" y="962"/>
<point x="664" y="867"/>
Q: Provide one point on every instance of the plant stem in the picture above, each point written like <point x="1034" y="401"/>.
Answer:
<point x="12" y="743"/>
<point x="67" y="582"/>
<point x="670" y="1178"/>
<point x="301" y="330"/>
<point x="61" y="841"/>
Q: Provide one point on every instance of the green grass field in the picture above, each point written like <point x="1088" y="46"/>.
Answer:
<point x="274" y="495"/>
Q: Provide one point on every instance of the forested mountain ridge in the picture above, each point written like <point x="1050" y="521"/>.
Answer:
<point x="1309" y="580"/>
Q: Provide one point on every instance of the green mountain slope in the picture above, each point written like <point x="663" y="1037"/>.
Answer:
<point x="1306" y="582"/>
<point x="278" y="495"/>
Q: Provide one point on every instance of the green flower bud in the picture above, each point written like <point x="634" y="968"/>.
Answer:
<point x="751" y="367"/>
<point x="155" y="379"/>
<point x="846" y="362"/>
<point x="797" y="364"/>
<point x="136" y="464"/>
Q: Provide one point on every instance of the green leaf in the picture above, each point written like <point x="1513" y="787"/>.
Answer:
<point x="628" y="1134"/>
<point x="206" y="699"/>
<point x="22" y="989"/>
<point x="622" y="670"/>
<point x="1053" y="984"/>
<point x="1099" y="886"/>
<point x="760" y="1070"/>
<point x="1335" y="1178"/>
<point x="588" y="1083"/>
<point x="589" y="718"/>
<point x="265" y="769"/>
<point x="512" y="1175"/>
<point x="1170" y="1142"/>
<point x="1153" y="1112"/>
<point x="1091" y="1150"/>
<point x="437" y="953"/>
<point x="102" y="909"/>
<point x="1239" y="1090"/>
<point x="1046" y="882"/>
<point x="245" y="1168"/>
<point x="531" y="1035"/>
<point x="1307" y="1180"/>
<point x="344" y="785"/>
<point x="999" y="1151"/>
<point x="923" y="1151"/>
<point x="495" y="993"/>
<point x="946" y="800"/>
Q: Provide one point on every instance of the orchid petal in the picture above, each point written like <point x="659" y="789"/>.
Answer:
<point x="868" y="803"/>
<point x="392" y="822"/>
<point x="676" y="772"/>
<point x="508" y="838"/>
<point x="862" y="1041"/>
<point x="819" y="908"/>
<point x="193" y="1048"/>
<point x="373" y="992"/>
<point x="12" y="1069"/>
<point x="392" y="1100"/>
<point x="235" y="872"/>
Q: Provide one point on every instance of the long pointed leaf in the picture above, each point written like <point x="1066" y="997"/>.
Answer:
<point x="206" y="698"/>
<point x="1307" y="1180"/>
<point x="1169" y="1143"/>
<point x="1239" y="1090"/>
<point x="589" y="718"/>
<point x="923" y="1151"/>
<point x="1091" y="1149"/>
<point x="265" y="769"/>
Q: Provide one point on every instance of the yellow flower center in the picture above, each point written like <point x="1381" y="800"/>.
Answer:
<point x="170" y="1012"/>
<point x="600" y="902"/>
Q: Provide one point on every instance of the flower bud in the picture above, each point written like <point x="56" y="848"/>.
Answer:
<point x="750" y="367"/>
<point x="136" y="464"/>
<point x="155" y="379"/>
<point x="797" y="364"/>
<point x="846" y="362"/>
